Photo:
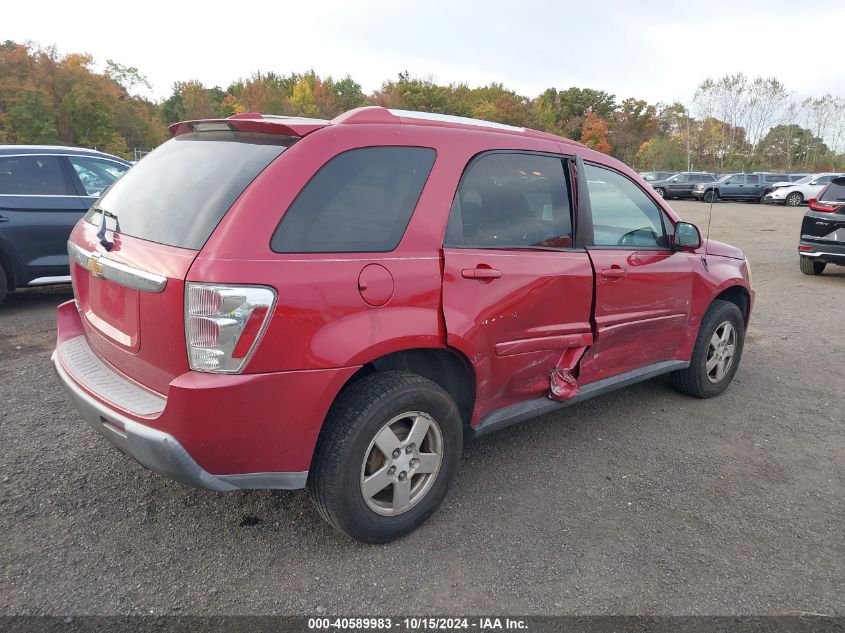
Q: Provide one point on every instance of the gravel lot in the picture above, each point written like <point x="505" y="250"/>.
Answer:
<point x="640" y="502"/>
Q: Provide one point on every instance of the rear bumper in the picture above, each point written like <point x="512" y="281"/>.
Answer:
<point x="213" y="431"/>
<point x="153" y="449"/>
<point x="833" y="253"/>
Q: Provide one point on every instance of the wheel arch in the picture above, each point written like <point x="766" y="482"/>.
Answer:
<point x="446" y="367"/>
<point x="738" y="295"/>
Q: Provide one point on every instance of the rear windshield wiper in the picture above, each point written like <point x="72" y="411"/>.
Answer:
<point x="101" y="234"/>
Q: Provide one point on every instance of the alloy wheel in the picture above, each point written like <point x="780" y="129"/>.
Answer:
<point x="401" y="463"/>
<point x="720" y="353"/>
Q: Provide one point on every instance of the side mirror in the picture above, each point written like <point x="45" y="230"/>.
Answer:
<point x="686" y="236"/>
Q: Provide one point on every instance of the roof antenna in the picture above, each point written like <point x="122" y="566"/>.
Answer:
<point x="709" y="220"/>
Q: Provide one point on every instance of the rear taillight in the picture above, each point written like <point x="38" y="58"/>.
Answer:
<point x="815" y="205"/>
<point x="223" y="324"/>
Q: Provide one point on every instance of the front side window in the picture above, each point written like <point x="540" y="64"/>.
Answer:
<point x="96" y="175"/>
<point x="737" y="179"/>
<point x="512" y="200"/>
<point x="681" y="178"/>
<point x="32" y="176"/>
<point x="623" y="215"/>
<point x="360" y="201"/>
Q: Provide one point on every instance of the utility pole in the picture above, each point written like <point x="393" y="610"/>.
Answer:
<point x="689" y="167"/>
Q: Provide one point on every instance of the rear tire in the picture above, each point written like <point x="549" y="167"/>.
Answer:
<point x="794" y="199"/>
<point x="710" y="196"/>
<point x="4" y="285"/>
<point x="371" y="429"/>
<point x="810" y="266"/>
<point x="717" y="352"/>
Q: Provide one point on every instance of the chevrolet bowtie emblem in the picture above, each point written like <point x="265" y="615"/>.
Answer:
<point x="94" y="266"/>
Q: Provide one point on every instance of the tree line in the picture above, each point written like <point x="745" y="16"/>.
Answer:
<point x="733" y="122"/>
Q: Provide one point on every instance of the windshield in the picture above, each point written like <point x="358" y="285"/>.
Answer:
<point x="178" y="194"/>
<point x="804" y="180"/>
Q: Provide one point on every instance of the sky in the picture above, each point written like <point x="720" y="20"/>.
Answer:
<point x="658" y="51"/>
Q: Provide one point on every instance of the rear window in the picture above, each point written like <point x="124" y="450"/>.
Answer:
<point x="178" y="194"/>
<point x="775" y="178"/>
<point x="835" y="192"/>
<point x="360" y="201"/>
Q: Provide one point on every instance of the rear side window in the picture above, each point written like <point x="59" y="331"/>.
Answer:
<point x="359" y="202"/>
<point x="512" y="201"/>
<point x="95" y="174"/>
<point x="752" y="179"/>
<point x="33" y="176"/>
<point x="178" y="193"/>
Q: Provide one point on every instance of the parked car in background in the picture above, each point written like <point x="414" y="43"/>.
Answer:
<point x="753" y="187"/>
<point x="651" y="176"/>
<point x="44" y="191"/>
<point x="799" y="192"/>
<point x="822" y="239"/>
<point x="280" y="303"/>
<point x="681" y="185"/>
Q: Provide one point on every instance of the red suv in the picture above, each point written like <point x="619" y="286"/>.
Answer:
<point x="272" y="302"/>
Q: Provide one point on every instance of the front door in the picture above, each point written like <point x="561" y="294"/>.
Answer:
<point x="516" y="295"/>
<point x="643" y="287"/>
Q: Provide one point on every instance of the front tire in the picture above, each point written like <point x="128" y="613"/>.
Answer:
<point x="717" y="352"/>
<point x="811" y="266"/>
<point x="794" y="199"/>
<point x="386" y="457"/>
<point x="661" y="192"/>
<point x="710" y="196"/>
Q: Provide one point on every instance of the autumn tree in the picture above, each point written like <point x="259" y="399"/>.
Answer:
<point x="594" y="133"/>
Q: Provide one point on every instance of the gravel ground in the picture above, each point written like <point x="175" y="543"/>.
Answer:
<point x="639" y="502"/>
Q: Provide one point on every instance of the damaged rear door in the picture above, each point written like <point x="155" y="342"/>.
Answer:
<point x="516" y="295"/>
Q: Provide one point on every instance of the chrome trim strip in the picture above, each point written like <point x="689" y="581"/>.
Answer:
<point x="819" y="253"/>
<point x="160" y="452"/>
<point x="44" y="281"/>
<point x="122" y="274"/>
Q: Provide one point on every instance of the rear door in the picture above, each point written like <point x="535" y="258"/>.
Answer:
<point x="643" y="287"/>
<point x="753" y="186"/>
<point x="38" y="208"/>
<point x="516" y="294"/>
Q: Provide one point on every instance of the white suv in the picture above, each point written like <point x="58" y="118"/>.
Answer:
<point x="800" y="191"/>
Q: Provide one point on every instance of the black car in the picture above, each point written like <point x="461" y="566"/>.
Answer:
<point x="823" y="229"/>
<point x="752" y="187"/>
<point x="681" y="185"/>
<point x="44" y="191"/>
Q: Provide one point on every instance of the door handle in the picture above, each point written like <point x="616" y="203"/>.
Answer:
<point x="614" y="272"/>
<point x="481" y="273"/>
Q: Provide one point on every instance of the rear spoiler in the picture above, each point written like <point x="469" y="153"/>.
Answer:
<point x="251" y="122"/>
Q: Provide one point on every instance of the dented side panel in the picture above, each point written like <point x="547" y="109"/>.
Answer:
<point x="519" y="327"/>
